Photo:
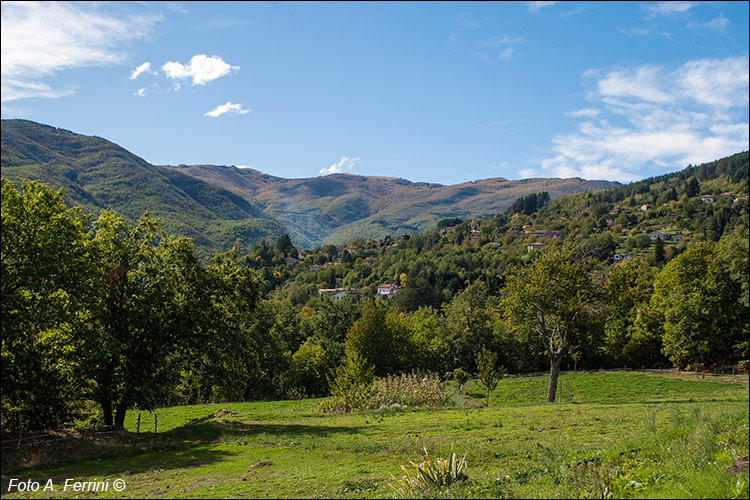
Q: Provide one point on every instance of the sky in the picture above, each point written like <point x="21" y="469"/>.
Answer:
<point x="443" y="92"/>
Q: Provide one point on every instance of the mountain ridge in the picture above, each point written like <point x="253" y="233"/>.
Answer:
<point x="218" y="205"/>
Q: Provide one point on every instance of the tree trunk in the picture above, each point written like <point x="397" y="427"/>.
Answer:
<point x="487" y="402"/>
<point x="120" y="415"/>
<point x="107" y="412"/>
<point x="554" y="372"/>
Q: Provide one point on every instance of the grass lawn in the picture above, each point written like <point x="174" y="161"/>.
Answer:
<point x="619" y="435"/>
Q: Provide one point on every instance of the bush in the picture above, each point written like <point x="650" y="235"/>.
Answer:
<point x="405" y="391"/>
<point x="431" y="474"/>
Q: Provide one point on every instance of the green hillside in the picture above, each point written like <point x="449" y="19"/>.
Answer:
<point x="99" y="174"/>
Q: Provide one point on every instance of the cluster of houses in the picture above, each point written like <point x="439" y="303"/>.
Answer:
<point x="385" y="291"/>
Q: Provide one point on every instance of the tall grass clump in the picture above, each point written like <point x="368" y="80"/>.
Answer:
<point x="394" y="391"/>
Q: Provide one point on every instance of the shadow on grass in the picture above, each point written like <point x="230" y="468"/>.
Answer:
<point x="211" y="430"/>
<point x="191" y="445"/>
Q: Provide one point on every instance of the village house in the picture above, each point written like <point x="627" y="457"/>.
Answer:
<point x="708" y="198"/>
<point x="678" y="238"/>
<point x="727" y="195"/>
<point x="535" y="246"/>
<point x="495" y="244"/>
<point x="645" y="207"/>
<point x="291" y="261"/>
<point x="619" y="257"/>
<point x="653" y="235"/>
<point x="369" y="260"/>
<point x="388" y="290"/>
<point x="337" y="293"/>
<point x="548" y="233"/>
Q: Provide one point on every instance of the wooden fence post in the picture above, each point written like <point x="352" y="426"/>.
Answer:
<point x="155" y="423"/>
<point x="138" y="428"/>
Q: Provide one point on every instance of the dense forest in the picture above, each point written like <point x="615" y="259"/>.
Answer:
<point x="100" y="316"/>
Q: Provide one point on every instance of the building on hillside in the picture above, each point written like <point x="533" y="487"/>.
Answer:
<point x="388" y="290"/>
<point x="495" y="244"/>
<point x="678" y="238"/>
<point x="291" y="261"/>
<point x="653" y="235"/>
<point x="369" y="260"/>
<point x="727" y="195"/>
<point x="535" y="246"/>
<point x="337" y="293"/>
<point x="645" y="207"/>
<point x="548" y="233"/>
<point x="620" y="257"/>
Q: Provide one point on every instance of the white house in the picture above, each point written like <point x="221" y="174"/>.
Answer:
<point x="388" y="290"/>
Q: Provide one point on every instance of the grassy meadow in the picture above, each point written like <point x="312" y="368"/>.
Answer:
<point x="614" y="435"/>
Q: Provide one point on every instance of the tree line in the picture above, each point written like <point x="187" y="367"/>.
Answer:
<point x="99" y="312"/>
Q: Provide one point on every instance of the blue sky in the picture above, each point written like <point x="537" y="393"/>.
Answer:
<point x="439" y="92"/>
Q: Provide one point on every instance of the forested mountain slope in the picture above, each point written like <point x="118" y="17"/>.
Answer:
<point x="99" y="174"/>
<point x="340" y="207"/>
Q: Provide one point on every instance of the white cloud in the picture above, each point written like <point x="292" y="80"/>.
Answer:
<point x="40" y="39"/>
<point x="343" y="164"/>
<point x="201" y="69"/>
<point x="141" y="92"/>
<point x="584" y="113"/>
<point x="667" y="8"/>
<point x="666" y="118"/>
<point x="228" y="107"/>
<point x="527" y="173"/>
<point x="143" y="68"/>
<point x="243" y="166"/>
<point x="535" y="6"/>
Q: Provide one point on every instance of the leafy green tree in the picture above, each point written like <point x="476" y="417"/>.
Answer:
<point x="659" y="254"/>
<point x="627" y="292"/>
<point x="46" y="283"/>
<point x="470" y="321"/>
<point x="383" y="338"/>
<point x="554" y="296"/>
<point x="488" y="372"/>
<point x="701" y="303"/>
<point x="142" y="319"/>
<point x="307" y="371"/>
<point x="418" y="292"/>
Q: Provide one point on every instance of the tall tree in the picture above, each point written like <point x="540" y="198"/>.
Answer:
<point x="46" y="281"/>
<point x="138" y="329"/>
<point x="553" y="296"/>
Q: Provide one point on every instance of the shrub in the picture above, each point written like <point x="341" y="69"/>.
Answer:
<point x="431" y="474"/>
<point x="407" y="390"/>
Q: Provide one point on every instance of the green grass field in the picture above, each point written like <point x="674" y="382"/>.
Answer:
<point x="615" y="435"/>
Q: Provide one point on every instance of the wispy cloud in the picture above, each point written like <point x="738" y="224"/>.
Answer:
<point x="718" y="24"/>
<point x="498" y="123"/>
<point x="228" y="107"/>
<point x="527" y="173"/>
<point x="666" y="8"/>
<point x="500" y="47"/>
<point x="535" y="6"/>
<point x="344" y="164"/>
<point x="141" y="92"/>
<point x="584" y="113"/>
<point x="40" y="39"/>
<point x="200" y="70"/>
<point x="666" y="118"/>
<point x="143" y="68"/>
